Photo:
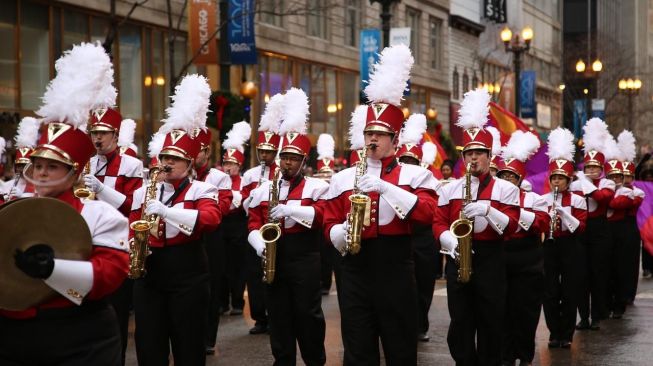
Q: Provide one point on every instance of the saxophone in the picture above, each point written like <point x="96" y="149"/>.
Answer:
<point x="271" y="232"/>
<point x="139" y="246"/>
<point x="358" y="211"/>
<point x="82" y="191"/>
<point x="462" y="230"/>
<point x="554" y="216"/>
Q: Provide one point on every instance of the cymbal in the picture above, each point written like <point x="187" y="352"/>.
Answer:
<point x="30" y="221"/>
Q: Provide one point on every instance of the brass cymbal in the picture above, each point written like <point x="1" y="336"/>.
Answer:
<point x="30" y="221"/>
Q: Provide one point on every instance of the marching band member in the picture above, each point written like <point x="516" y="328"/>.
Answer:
<point x="423" y="242"/>
<point x="126" y="138"/>
<point x="171" y="301"/>
<point x="326" y="146"/>
<point x="562" y="251"/>
<point x="293" y="297"/>
<point x="377" y="286"/>
<point x="76" y="326"/>
<point x="599" y="192"/>
<point x="523" y="254"/>
<point x="477" y="307"/>
<point x="26" y="139"/>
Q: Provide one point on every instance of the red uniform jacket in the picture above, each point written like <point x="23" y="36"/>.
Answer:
<point x="637" y="201"/>
<point x="221" y="181"/>
<point x="122" y="173"/>
<point x="533" y="216"/>
<point x="599" y="194"/>
<point x="573" y="204"/>
<point x="251" y="180"/>
<point x="623" y="200"/>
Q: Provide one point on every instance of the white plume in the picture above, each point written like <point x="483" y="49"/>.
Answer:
<point x="496" y="140"/>
<point x="326" y="146"/>
<point x="561" y="145"/>
<point x="595" y="134"/>
<point x="83" y="82"/>
<point x="28" y="132"/>
<point x="190" y="104"/>
<point x="413" y="130"/>
<point x="626" y="143"/>
<point x="238" y="135"/>
<point x="134" y="147"/>
<point x="295" y="112"/>
<point x="356" y="127"/>
<point x="3" y="145"/>
<point x="390" y="76"/>
<point x="271" y="118"/>
<point x="429" y="152"/>
<point x="611" y="150"/>
<point x="127" y="131"/>
<point x="156" y="144"/>
<point x="520" y="146"/>
<point x="474" y="109"/>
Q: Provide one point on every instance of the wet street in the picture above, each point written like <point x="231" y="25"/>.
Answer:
<point x="628" y="341"/>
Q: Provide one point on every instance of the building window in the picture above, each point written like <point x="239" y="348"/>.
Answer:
<point x="35" y="54"/>
<point x="475" y="83"/>
<point x="271" y="12"/>
<point x="352" y="19"/>
<point x="8" y="87"/>
<point x="75" y="29"/>
<point x="465" y="81"/>
<point x="130" y="72"/>
<point x="316" y="18"/>
<point x="455" y="84"/>
<point x="435" y="42"/>
<point x="412" y="21"/>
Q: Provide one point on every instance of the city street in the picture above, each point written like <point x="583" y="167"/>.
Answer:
<point x="628" y="341"/>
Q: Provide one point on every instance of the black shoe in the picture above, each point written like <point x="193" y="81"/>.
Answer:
<point x="259" y="329"/>
<point x="325" y="291"/>
<point x="554" y="343"/>
<point x="646" y="273"/>
<point x="210" y="350"/>
<point x="617" y="315"/>
<point x="423" y="337"/>
<point x="223" y="310"/>
<point x="596" y="324"/>
<point x="565" y="344"/>
<point x="584" y="324"/>
<point x="236" y="311"/>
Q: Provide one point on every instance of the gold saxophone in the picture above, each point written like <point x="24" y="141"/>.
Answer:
<point x="360" y="203"/>
<point x="139" y="246"/>
<point x="462" y="230"/>
<point x="82" y="191"/>
<point x="554" y="215"/>
<point x="271" y="232"/>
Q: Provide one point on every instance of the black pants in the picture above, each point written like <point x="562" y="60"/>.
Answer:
<point x="255" y="289"/>
<point x="625" y="243"/>
<point x="596" y="261"/>
<point x="647" y="260"/>
<point x="234" y="230"/>
<point x="634" y="244"/>
<point x="425" y="256"/>
<point x="378" y="300"/>
<point x="295" y="302"/>
<point x="79" y="336"/>
<point x="477" y="308"/>
<point x="215" y="252"/>
<point x="326" y="258"/>
<point x="563" y="283"/>
<point x="525" y="292"/>
<point x="121" y="300"/>
<point x="171" y="304"/>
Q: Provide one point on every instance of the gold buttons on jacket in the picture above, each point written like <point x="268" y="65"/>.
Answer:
<point x="74" y="293"/>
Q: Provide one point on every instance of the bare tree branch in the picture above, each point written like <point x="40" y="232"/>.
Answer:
<point x="114" y="25"/>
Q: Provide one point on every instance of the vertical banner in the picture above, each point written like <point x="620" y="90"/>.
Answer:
<point x="527" y="94"/>
<point x="242" y="43"/>
<point x="369" y="52"/>
<point x="580" y="116"/>
<point x="495" y="10"/>
<point x="202" y="24"/>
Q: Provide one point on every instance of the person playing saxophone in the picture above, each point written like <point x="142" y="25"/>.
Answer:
<point x="293" y="286"/>
<point x="476" y="307"/>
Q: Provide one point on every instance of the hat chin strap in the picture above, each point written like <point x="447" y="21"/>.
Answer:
<point x="29" y="170"/>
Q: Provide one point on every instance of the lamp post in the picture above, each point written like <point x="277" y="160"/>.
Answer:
<point x="517" y="47"/>
<point x="630" y="88"/>
<point x="385" y="18"/>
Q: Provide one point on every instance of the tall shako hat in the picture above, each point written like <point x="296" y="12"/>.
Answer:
<point x="326" y="147"/>
<point x="69" y="97"/>
<point x="472" y="118"/>
<point x="126" y="138"/>
<point x="410" y="137"/>
<point x="293" y="127"/>
<point x="268" y="130"/>
<point x="594" y="137"/>
<point x="185" y="117"/>
<point x="521" y="146"/>
<point x="385" y="90"/>
<point x="561" y="152"/>
<point x="626" y="143"/>
<point x="104" y="116"/>
<point x="356" y="137"/>
<point x="495" y="160"/>
<point x="26" y="138"/>
<point x="234" y="145"/>
<point x="613" y="157"/>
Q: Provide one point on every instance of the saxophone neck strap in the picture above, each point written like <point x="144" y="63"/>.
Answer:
<point x="174" y="196"/>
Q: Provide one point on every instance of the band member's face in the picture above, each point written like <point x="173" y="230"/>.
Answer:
<point x="47" y="171"/>
<point x="592" y="172"/>
<point x="559" y="181"/>
<point x="446" y="171"/>
<point x="291" y="164"/>
<point x="179" y="168"/>
<point x="18" y="169"/>
<point x="381" y="145"/>
<point x="628" y="179"/>
<point x="267" y="156"/>
<point x="509" y="176"/>
<point x="480" y="160"/>
<point x="231" y="168"/>
<point x="203" y="157"/>
<point x="408" y="160"/>
<point x="618" y="179"/>
<point x="104" y="141"/>
<point x="493" y="171"/>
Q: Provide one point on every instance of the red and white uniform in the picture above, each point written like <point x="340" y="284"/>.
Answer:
<point x="236" y="202"/>
<point x="533" y="215"/>
<point x="221" y="181"/>
<point x="251" y="179"/>
<point x="623" y="201"/>
<point x="101" y="274"/>
<point x="194" y="211"/>
<point x="575" y="206"/>
<point x="121" y="176"/>
<point x="638" y="198"/>
<point x="23" y="189"/>
<point x="599" y="193"/>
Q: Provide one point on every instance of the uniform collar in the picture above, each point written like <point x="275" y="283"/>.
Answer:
<point x="201" y="171"/>
<point x="109" y="156"/>
<point x="384" y="163"/>
<point x="68" y="197"/>
<point x="174" y="184"/>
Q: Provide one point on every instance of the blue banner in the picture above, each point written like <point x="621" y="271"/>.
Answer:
<point x="242" y="44"/>
<point x="370" y="47"/>
<point x="527" y="94"/>
<point x="580" y="116"/>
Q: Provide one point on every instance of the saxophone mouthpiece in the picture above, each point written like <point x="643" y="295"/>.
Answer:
<point x="166" y="169"/>
<point x="98" y="144"/>
<point x="372" y="147"/>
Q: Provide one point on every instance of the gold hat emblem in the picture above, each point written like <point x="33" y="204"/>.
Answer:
<point x="592" y="154"/>
<point x="99" y="113"/>
<point x="57" y="129"/>
<point x="378" y="109"/>
<point x="230" y="152"/>
<point x="509" y="161"/>
<point x="268" y="135"/>
<point x="176" y="135"/>
<point x="291" y="136"/>
<point x="560" y="163"/>
<point x="473" y="132"/>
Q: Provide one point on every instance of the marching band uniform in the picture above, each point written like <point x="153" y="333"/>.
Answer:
<point x="598" y="194"/>
<point x="477" y="308"/>
<point x="26" y="139"/>
<point x="523" y="255"/>
<point x="293" y="299"/>
<point x="563" y="253"/>
<point x="171" y="301"/>
<point x="325" y="169"/>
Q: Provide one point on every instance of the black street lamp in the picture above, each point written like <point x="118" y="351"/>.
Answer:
<point x="630" y="88"/>
<point x="514" y="45"/>
<point x="385" y="18"/>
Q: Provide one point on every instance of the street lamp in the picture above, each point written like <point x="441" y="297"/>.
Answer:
<point x="630" y="88"/>
<point x="385" y="18"/>
<point x="517" y="47"/>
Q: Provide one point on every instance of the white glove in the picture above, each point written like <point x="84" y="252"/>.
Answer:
<point x="369" y="183"/>
<point x="256" y="241"/>
<point x="476" y="209"/>
<point x="281" y="211"/>
<point x="92" y="183"/>
<point x="448" y="244"/>
<point x="12" y="193"/>
<point x="156" y="208"/>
